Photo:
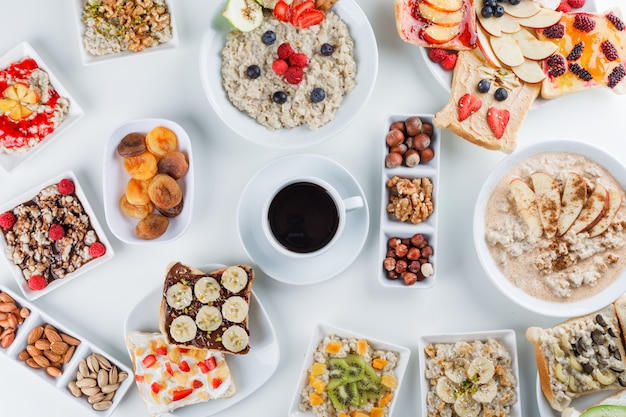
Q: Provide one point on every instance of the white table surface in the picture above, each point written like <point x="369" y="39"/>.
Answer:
<point x="168" y="85"/>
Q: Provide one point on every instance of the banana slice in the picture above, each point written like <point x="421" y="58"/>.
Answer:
<point x="208" y="318"/>
<point x="206" y="289"/>
<point x="235" y="309"/>
<point x="457" y="371"/>
<point x="183" y="329"/>
<point x="235" y="339"/>
<point x="178" y="296"/>
<point x="234" y="279"/>
<point x="482" y="368"/>
<point x="486" y="392"/>
<point x="445" y="390"/>
<point x="465" y="406"/>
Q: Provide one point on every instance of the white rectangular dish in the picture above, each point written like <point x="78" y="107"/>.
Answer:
<point x="505" y="338"/>
<point x="10" y="161"/>
<point x="16" y="351"/>
<point x="44" y="243"/>
<point x="88" y="59"/>
<point x="390" y="226"/>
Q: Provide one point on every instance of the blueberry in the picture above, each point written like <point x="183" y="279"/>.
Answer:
<point x="498" y="11"/>
<point x="490" y="3"/>
<point x="279" y="97"/>
<point x="501" y="94"/>
<point x="253" y="72"/>
<point x="484" y="86"/>
<point x="514" y="2"/>
<point x="317" y="95"/>
<point x="269" y="37"/>
<point x="327" y="49"/>
<point x="486" y="12"/>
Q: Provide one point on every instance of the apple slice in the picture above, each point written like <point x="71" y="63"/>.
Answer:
<point x="485" y="47"/>
<point x="508" y="24"/>
<point x="543" y="19"/>
<point x="530" y="71"/>
<point x="507" y="50"/>
<point x="522" y="9"/>
<point x="436" y="34"/>
<point x="489" y="24"/>
<point x="548" y="197"/>
<point x="615" y="201"/>
<point x="439" y="17"/>
<point x="7" y="104"/>
<point x="533" y="48"/>
<point x="526" y="203"/>
<point x="596" y="205"/>
<point x="446" y="5"/>
<point x="572" y="201"/>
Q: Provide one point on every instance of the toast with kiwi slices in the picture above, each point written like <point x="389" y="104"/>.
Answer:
<point x="207" y="310"/>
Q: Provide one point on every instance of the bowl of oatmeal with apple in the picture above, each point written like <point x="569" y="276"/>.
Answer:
<point x="549" y="228"/>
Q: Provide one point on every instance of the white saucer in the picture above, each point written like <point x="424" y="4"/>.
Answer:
<point x="282" y="267"/>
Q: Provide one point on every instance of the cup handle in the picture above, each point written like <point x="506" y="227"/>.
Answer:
<point x="352" y="203"/>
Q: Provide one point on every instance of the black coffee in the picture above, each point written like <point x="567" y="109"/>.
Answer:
<point x="303" y="217"/>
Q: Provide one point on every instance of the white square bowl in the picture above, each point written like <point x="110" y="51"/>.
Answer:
<point x="88" y="59"/>
<point x="10" y="161"/>
<point x="324" y="330"/>
<point x="506" y="337"/>
<point x="88" y="266"/>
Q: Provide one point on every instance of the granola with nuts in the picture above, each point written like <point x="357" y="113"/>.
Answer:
<point x="410" y="199"/>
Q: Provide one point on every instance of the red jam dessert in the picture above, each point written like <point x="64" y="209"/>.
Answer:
<point x="30" y="107"/>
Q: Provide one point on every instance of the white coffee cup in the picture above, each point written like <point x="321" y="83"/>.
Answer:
<point x="305" y="216"/>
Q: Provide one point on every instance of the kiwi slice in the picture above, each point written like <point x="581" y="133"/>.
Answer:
<point x="344" y="395"/>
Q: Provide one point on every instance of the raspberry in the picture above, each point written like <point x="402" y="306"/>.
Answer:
<point x="449" y="62"/>
<point x="66" y="186"/>
<point x="437" y="54"/>
<point x="576" y="51"/>
<point x="609" y="50"/>
<point x="294" y="75"/>
<point x="97" y="249"/>
<point x="37" y="283"/>
<point x="56" y="232"/>
<point x="298" y="60"/>
<point x="7" y="220"/>
<point x="284" y="51"/>
<point x="616" y="21"/>
<point x="584" y="22"/>
<point x="580" y="72"/>
<point x="556" y="65"/>
<point x="280" y="66"/>
<point x="564" y="7"/>
<point x="556" y="31"/>
<point x="616" y="76"/>
<point x="576" y="4"/>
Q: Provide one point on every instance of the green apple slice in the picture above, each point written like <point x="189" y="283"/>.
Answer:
<point x="244" y="15"/>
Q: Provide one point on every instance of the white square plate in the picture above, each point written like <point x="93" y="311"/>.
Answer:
<point x="93" y="263"/>
<point x="10" y="161"/>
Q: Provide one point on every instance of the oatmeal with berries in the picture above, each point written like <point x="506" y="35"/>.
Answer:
<point x="284" y="76"/>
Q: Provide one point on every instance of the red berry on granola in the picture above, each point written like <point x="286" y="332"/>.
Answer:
<point x="97" y="250"/>
<point x="284" y="51"/>
<point x="7" y="220"/>
<point x="280" y="66"/>
<point x="66" y="186"/>
<point x="37" y="283"/>
<point x="56" y="232"/>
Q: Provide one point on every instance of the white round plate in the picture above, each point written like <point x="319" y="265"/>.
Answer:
<point x="115" y="178"/>
<point x="306" y="270"/>
<point x="366" y="56"/>
<point x="554" y="309"/>
<point x="253" y="369"/>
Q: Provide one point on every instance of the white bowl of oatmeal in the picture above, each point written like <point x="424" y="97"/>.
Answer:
<point x="345" y="26"/>
<point x="570" y="261"/>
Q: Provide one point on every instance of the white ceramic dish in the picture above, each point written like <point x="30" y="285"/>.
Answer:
<point x="505" y="337"/>
<point x="366" y="56"/>
<point x="280" y="266"/>
<point x="323" y="330"/>
<point x="565" y="309"/>
<point x="9" y="162"/>
<point x="88" y="59"/>
<point x="392" y="227"/>
<point x="94" y="263"/>
<point x="115" y="178"/>
<point x="83" y="350"/>
<point x="251" y="370"/>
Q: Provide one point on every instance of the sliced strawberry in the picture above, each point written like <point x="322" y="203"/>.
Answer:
<point x="138" y="378"/>
<point x="197" y="383"/>
<point x="211" y="363"/>
<point x="498" y="119"/>
<point x="149" y="360"/>
<point x="310" y="18"/>
<point x="216" y="383"/>
<point x="161" y="350"/>
<point x="203" y="367"/>
<point x="155" y="387"/>
<point x="183" y="350"/>
<point x="168" y="368"/>
<point x="184" y="366"/>
<point x="281" y="11"/>
<point x="297" y="8"/>
<point x="468" y="105"/>
<point x="180" y="394"/>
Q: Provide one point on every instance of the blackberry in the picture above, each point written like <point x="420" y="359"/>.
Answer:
<point x="616" y="76"/>
<point x="556" y="65"/>
<point x="584" y="22"/>
<point x="576" y="51"/>
<point x="609" y="50"/>
<point x="580" y="72"/>
<point x="269" y="37"/>
<point x="556" y="31"/>
<point x="616" y="21"/>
